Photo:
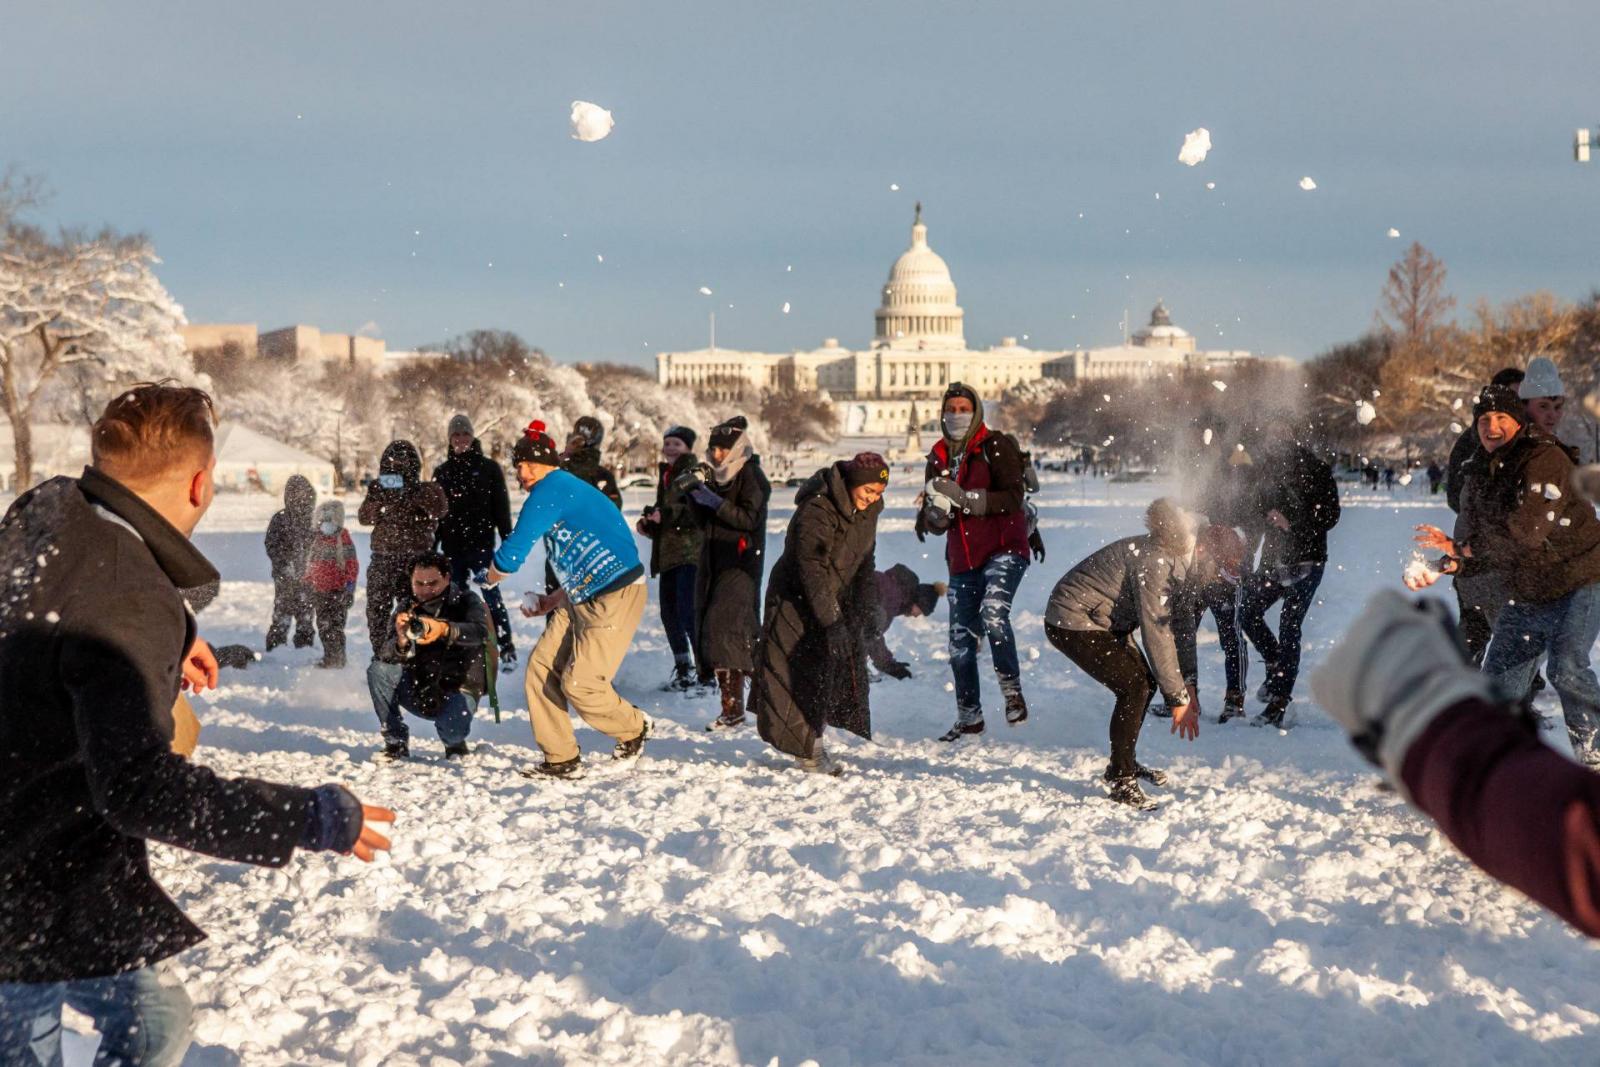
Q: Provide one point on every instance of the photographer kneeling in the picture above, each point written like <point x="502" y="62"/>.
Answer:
<point x="432" y="663"/>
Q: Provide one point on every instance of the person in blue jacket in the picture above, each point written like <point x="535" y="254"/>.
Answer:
<point x="593" y="612"/>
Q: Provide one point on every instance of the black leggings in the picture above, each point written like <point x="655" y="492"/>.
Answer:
<point x="1117" y="663"/>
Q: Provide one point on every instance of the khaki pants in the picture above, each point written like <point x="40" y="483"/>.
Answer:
<point x="574" y="662"/>
<point x="185" y="727"/>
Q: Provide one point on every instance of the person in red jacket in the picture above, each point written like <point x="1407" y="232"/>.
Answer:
<point x="1400" y="684"/>
<point x="331" y="573"/>
<point x="975" y="498"/>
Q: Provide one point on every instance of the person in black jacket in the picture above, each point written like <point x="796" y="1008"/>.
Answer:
<point x="822" y="600"/>
<point x="95" y="641"/>
<point x="480" y="509"/>
<point x="288" y="542"/>
<point x="1298" y="502"/>
<point x="675" y="552"/>
<point x="730" y="507"/>
<point x="433" y="662"/>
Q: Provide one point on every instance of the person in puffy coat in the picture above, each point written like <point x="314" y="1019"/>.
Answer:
<point x="331" y="572"/>
<point x="479" y="510"/>
<point x="822" y="600"/>
<point x="730" y="508"/>
<point x="675" y="552"/>
<point x="900" y="593"/>
<point x="288" y="539"/>
<point x="404" y="512"/>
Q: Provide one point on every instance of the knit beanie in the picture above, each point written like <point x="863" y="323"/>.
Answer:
<point x="928" y="595"/>
<point x="1501" y="398"/>
<point x="590" y="429"/>
<point x="536" y="446"/>
<point x="461" y="424"/>
<point x="682" y="433"/>
<point x="1542" y="379"/>
<point x="725" y="434"/>
<point x="866" y="468"/>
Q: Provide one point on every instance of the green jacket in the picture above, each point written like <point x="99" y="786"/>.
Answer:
<point x="675" y="540"/>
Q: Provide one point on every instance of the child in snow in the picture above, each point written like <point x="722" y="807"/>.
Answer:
<point x="288" y="539"/>
<point x="331" y="573"/>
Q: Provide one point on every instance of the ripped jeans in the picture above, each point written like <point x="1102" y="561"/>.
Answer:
<point x="980" y="602"/>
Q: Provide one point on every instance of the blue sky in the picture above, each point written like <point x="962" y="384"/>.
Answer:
<point x="284" y="157"/>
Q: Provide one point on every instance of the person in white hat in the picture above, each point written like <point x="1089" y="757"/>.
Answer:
<point x="1543" y="395"/>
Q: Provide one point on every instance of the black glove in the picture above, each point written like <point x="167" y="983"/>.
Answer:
<point x="333" y="820"/>
<point x="1036" y="543"/>
<point x="841" y="642"/>
<point x="896" y="669"/>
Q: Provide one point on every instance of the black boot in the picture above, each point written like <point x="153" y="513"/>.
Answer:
<point x="1232" y="707"/>
<point x="631" y="748"/>
<point x="1125" y="790"/>
<point x="456" y="751"/>
<point x="961" y="729"/>
<point x="567" y="769"/>
<point x="1274" y="715"/>
<point x="1016" y="707"/>
<point x="396" y="750"/>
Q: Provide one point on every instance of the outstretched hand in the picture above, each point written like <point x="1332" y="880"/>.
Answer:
<point x="1186" y="721"/>
<point x="1429" y="536"/>
<point x="371" y="842"/>
<point x="199" y="667"/>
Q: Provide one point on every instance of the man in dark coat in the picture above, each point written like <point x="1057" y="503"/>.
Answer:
<point x="821" y="601"/>
<point x="1298" y="502"/>
<point x="582" y="458"/>
<point x="404" y="512"/>
<point x="288" y="542"/>
<point x="95" y="640"/>
<point x="675" y="552"/>
<point x="731" y="511"/>
<point x="479" y="509"/>
<point x="900" y="593"/>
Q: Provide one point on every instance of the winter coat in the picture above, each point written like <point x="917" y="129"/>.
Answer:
<point x="92" y="635"/>
<point x="479" y="505"/>
<point x="992" y="462"/>
<point x="332" y="565"/>
<point x="455" y="663"/>
<point x="289" y="533"/>
<point x="1522" y="519"/>
<point x="1147" y="584"/>
<point x="897" y="591"/>
<point x="1464" y="454"/>
<point x="826" y="575"/>
<point x="585" y="463"/>
<point x="732" y="559"/>
<point x="404" y="521"/>
<point x="1300" y="487"/>
<point x="675" y="540"/>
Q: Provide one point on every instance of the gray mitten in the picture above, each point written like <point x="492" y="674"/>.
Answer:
<point x="1395" y="670"/>
<point x="971" y="501"/>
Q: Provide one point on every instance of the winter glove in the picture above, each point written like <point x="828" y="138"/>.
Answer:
<point x="705" y="497"/>
<point x="1036" y="543"/>
<point x="841" y="642"/>
<point x="333" y="820"/>
<point x="1397" y="669"/>
<point x="971" y="501"/>
<point x="897" y="669"/>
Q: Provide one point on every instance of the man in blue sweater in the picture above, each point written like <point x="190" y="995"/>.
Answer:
<point x="593" y="612"/>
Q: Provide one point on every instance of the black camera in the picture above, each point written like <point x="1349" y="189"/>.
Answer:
<point x="692" y="478"/>
<point x="416" y="628"/>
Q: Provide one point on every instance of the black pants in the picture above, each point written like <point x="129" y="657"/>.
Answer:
<point x="1476" y="625"/>
<point x="1297" y="587"/>
<point x="463" y="563"/>
<point x="388" y="590"/>
<point x="1222" y="598"/>
<point x="332" y="611"/>
<point x="1115" y="662"/>
<point x="676" y="593"/>
<point x="290" y="603"/>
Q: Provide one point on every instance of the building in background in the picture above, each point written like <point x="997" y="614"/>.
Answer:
<point x="298" y="343"/>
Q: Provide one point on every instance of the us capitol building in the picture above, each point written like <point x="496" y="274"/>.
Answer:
<point x="919" y="346"/>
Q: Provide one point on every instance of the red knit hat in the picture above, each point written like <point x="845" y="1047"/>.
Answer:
<point x="536" y="446"/>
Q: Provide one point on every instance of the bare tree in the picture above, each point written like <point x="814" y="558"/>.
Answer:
<point x="796" y="416"/>
<point x="1413" y="300"/>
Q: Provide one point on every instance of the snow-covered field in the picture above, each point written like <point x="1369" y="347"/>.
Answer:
<point x="964" y="905"/>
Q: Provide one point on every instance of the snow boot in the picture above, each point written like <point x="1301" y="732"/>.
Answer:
<point x="721" y="723"/>
<point x="1274" y="715"/>
<point x="1232" y="706"/>
<point x="1264" y="690"/>
<point x="961" y="729"/>
<point x="630" y="749"/>
<point x="567" y="770"/>
<point x="1125" y="790"/>
<point x="508" y="660"/>
<point x="819" y="762"/>
<point x="682" y="679"/>
<point x="1016" y="707"/>
<point x="457" y="751"/>
<point x="396" y="750"/>
<point x="1149" y="774"/>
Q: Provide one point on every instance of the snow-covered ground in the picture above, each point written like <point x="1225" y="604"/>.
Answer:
<point x="963" y="905"/>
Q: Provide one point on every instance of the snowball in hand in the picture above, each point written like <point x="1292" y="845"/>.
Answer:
<point x="590" y="122"/>
<point x="1307" y="184"/>
<point x="1196" y="144"/>
<point x="1365" y="412"/>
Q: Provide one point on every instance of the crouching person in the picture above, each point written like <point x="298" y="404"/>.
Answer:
<point x="95" y="644"/>
<point x="434" y="662"/>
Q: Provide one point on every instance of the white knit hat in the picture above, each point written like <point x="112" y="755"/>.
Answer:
<point x="1542" y="380"/>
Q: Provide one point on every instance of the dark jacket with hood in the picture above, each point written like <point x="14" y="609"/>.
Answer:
<point x="826" y="576"/>
<point x="453" y="663"/>
<point x="732" y="560"/>
<point x="290" y="531"/>
<point x="897" y="590"/>
<point x="989" y="464"/>
<point x="1144" y="584"/>
<point x="1466" y="453"/>
<point x="479" y="506"/>
<point x="585" y="463"/>
<point x="675" y="540"/>
<point x="1301" y="488"/>
<point x="404" y="520"/>
<point x="92" y="634"/>
<point x="1523" y="520"/>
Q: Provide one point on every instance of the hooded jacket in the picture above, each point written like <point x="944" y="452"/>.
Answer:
<point x="732" y="561"/>
<point x="585" y="463"/>
<point x="405" y="520"/>
<point x="984" y="461"/>
<point x="289" y="533"/>
<point x="1301" y="488"/>
<point x="333" y="566"/>
<point x="1147" y="584"/>
<point x="479" y="505"/>
<point x="455" y="663"/>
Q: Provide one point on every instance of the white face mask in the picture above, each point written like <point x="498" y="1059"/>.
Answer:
<point x="956" y="424"/>
<point x="329" y="529"/>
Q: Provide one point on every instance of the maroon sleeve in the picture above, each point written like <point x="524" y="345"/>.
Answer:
<point x="1517" y="809"/>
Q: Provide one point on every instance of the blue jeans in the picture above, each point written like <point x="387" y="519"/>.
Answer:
<point x="980" y="600"/>
<point x="677" y="607"/>
<point x="1297" y="586"/>
<point x="390" y="687"/>
<point x="144" y="1017"/>
<point x="462" y="567"/>
<point x="1565" y="630"/>
<point x="1223" y="599"/>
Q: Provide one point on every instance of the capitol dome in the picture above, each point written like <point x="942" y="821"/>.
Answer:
<point x="919" y="307"/>
<point x="1161" y="333"/>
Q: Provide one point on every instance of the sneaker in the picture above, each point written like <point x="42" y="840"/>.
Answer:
<point x="1264" y="690"/>
<point x="1125" y="790"/>
<point x="457" y="751"/>
<point x="682" y="680"/>
<point x="631" y="748"/>
<point x="820" y="763"/>
<point x="961" y="729"/>
<point x="396" y="750"/>
<point x="1149" y="774"/>
<point x="719" y="724"/>
<point x="1274" y="715"/>
<point x="568" y="770"/>
<point x="1232" y="706"/>
<point x="508" y="660"/>
<point x="1016" y="708"/>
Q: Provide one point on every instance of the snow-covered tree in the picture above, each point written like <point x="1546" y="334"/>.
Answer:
<point x="794" y="417"/>
<point x="636" y="410"/>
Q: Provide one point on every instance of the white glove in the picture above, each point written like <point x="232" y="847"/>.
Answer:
<point x="1394" y="671"/>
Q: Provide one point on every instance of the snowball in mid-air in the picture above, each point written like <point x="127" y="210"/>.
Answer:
<point x="1206" y="437"/>
<point x="1365" y="412"/>
<point x="705" y="291"/>
<point x="786" y="307"/>
<point x="1211" y="185"/>
<point x="1307" y="184"/>
<point x="1196" y="144"/>
<point x="590" y="122"/>
<point x="1393" y="232"/>
<point x="1456" y="427"/>
<point x="1220" y="386"/>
